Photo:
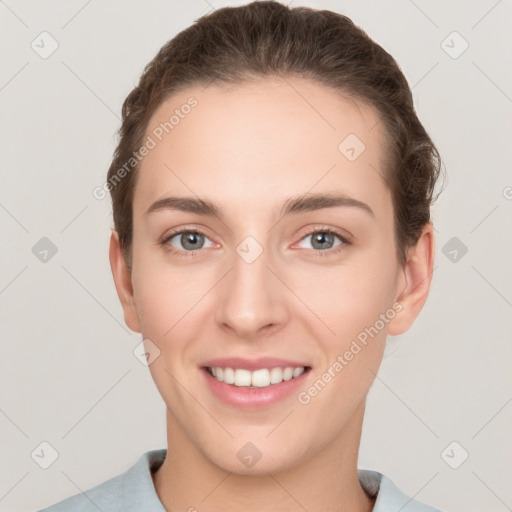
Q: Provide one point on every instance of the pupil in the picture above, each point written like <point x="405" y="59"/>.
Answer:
<point x="191" y="241"/>
<point x="321" y="238"/>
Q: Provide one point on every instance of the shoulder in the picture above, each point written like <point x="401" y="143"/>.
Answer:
<point x="105" y="496"/>
<point x="132" y="490"/>
<point x="388" y="496"/>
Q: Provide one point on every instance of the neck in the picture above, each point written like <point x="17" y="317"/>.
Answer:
<point x="187" y="480"/>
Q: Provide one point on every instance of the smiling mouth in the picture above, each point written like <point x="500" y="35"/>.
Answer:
<point x="261" y="378"/>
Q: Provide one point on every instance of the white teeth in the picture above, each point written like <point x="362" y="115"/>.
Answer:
<point x="229" y="376"/>
<point x="259" y="378"/>
<point x="287" y="373"/>
<point x="242" y="378"/>
<point x="276" y="375"/>
<point x="298" y="371"/>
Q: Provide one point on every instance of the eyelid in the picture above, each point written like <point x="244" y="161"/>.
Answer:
<point x="185" y="229"/>
<point x="345" y="236"/>
<point x="345" y="242"/>
<point x="165" y="240"/>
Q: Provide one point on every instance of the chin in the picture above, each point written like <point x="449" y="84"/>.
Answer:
<point x="254" y="458"/>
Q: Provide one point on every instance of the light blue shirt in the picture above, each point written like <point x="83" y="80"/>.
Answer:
<point x="133" y="491"/>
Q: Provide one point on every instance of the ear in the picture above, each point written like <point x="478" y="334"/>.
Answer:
<point x="123" y="281"/>
<point x="414" y="282"/>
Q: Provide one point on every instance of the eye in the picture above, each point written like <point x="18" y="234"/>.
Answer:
<point x="190" y="240"/>
<point x="325" y="239"/>
<point x="187" y="240"/>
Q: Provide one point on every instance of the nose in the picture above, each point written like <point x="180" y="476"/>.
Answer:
<point x="251" y="300"/>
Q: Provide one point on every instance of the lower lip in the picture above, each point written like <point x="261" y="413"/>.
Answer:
<point x="253" y="398"/>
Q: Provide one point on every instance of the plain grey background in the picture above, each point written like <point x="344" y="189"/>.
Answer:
<point x="69" y="377"/>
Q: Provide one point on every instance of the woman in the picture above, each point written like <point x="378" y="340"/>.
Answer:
<point x="271" y="198"/>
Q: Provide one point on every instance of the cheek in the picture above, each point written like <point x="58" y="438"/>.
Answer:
<point x="345" y="299"/>
<point x="164" y="293"/>
<point x="171" y="305"/>
<point x="352" y="307"/>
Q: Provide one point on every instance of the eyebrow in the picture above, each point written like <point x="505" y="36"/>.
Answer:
<point x="304" y="203"/>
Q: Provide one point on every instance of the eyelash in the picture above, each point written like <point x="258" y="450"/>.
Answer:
<point x="321" y="253"/>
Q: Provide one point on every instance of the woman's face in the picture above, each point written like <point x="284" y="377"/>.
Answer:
<point x="257" y="282"/>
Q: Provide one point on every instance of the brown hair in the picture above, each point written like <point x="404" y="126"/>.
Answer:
<point x="266" y="38"/>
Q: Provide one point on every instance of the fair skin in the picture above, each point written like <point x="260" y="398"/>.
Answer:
<point x="247" y="149"/>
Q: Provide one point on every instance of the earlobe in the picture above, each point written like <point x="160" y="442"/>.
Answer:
<point x="415" y="282"/>
<point x="123" y="282"/>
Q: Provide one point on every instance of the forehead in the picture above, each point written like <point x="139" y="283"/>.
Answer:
<point x="251" y="141"/>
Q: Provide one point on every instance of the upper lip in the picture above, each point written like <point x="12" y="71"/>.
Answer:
<point x="252" y="364"/>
